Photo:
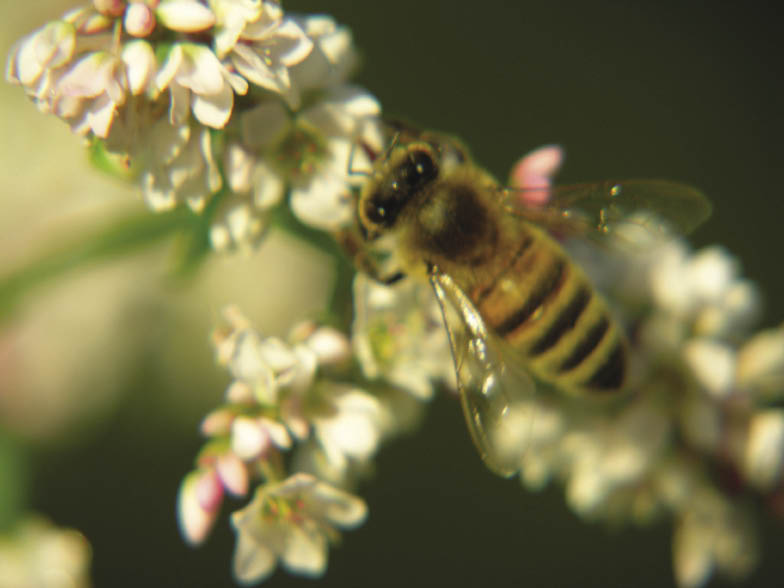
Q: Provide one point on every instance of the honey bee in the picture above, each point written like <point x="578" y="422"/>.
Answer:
<point x="518" y="311"/>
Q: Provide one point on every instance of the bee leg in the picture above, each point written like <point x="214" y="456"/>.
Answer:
<point x="354" y="246"/>
<point x="394" y="278"/>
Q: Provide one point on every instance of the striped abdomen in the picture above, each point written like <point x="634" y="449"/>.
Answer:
<point x="543" y="304"/>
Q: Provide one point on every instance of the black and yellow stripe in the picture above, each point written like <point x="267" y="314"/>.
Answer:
<point x="543" y="304"/>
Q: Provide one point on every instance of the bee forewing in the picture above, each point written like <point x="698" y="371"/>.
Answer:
<point x="600" y="207"/>
<point x="496" y="394"/>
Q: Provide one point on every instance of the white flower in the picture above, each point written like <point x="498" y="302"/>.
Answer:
<point x="48" y="48"/>
<point x="36" y="553"/>
<point x="399" y="334"/>
<point x="198" y="81"/>
<point x="242" y="216"/>
<point x="90" y="92"/>
<point x="712" y="535"/>
<point x="263" y="50"/>
<point x="350" y="425"/>
<point x="237" y="223"/>
<point x="292" y="521"/>
<point x="178" y="166"/>
<point x="333" y="57"/>
<point x="262" y="366"/>
<point x="702" y="291"/>
<point x="311" y="152"/>
<point x="232" y="16"/>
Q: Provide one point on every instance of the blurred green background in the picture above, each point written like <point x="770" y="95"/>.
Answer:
<point x="684" y="90"/>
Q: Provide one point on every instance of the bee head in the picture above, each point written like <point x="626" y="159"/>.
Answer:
<point x="406" y="171"/>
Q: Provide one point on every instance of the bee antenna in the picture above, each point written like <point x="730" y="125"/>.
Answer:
<point x="392" y="144"/>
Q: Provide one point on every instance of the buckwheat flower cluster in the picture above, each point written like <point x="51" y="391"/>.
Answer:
<point x="156" y="85"/>
<point x="37" y="553"/>
<point x="296" y="426"/>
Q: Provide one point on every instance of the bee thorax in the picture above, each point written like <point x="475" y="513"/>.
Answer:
<point x="453" y="224"/>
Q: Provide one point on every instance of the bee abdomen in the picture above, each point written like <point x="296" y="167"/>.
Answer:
<point x="541" y="295"/>
<point x="544" y="306"/>
<point x="611" y="372"/>
<point x="595" y="362"/>
<point x="564" y="323"/>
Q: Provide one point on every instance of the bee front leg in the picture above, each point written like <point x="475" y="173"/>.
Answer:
<point x="356" y="248"/>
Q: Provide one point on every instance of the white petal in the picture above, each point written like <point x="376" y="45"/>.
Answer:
<point x="214" y="110"/>
<point x="324" y="203"/>
<point x="292" y="43"/>
<point x="305" y="552"/>
<point x="158" y="192"/>
<point x="253" y="561"/>
<point x="356" y="101"/>
<point x="220" y="240"/>
<point x="201" y="71"/>
<point x="765" y="448"/>
<point x="100" y="115"/>
<point x="248" y="438"/>
<point x="692" y="558"/>
<point x="761" y="361"/>
<point x="91" y="76"/>
<point x="238" y="166"/>
<point x="330" y="345"/>
<point x="713" y="364"/>
<point x="270" y="187"/>
<point x="186" y="16"/>
<point x="180" y="104"/>
<point x="50" y="47"/>
<point x="171" y="66"/>
<point x="218" y="422"/>
<point x="233" y="474"/>
<point x="140" y="64"/>
<point x="250" y="64"/>
<point x="338" y="506"/>
<point x="277" y="354"/>
<point x="240" y="392"/>
<point x="277" y="433"/>
<point x="264" y="125"/>
<point x="711" y="272"/>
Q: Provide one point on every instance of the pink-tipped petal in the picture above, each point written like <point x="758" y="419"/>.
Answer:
<point x="233" y="474"/>
<point x="209" y="490"/>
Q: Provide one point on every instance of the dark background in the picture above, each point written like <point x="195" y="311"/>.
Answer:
<point x="682" y="90"/>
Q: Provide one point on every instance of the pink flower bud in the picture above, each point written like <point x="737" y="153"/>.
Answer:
<point x="194" y="520"/>
<point x="112" y="8"/>
<point x="139" y="20"/>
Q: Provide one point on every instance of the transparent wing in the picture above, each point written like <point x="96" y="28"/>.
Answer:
<point x="496" y="394"/>
<point x="599" y="208"/>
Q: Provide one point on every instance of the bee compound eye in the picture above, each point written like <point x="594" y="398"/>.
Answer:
<point x="420" y="168"/>
<point x="377" y="210"/>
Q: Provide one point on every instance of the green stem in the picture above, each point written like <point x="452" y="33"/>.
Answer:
<point x="118" y="238"/>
